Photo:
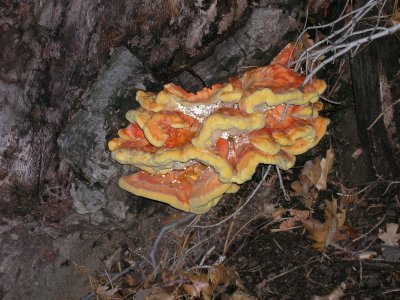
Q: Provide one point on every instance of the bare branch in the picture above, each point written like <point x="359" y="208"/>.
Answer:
<point x="345" y="39"/>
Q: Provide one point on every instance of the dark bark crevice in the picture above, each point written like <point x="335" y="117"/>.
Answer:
<point x="376" y="87"/>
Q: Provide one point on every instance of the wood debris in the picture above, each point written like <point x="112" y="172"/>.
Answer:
<point x="390" y="237"/>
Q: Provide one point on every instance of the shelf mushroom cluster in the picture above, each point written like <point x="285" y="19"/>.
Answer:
<point x="191" y="148"/>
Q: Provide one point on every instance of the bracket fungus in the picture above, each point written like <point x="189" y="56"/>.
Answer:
<point x="191" y="148"/>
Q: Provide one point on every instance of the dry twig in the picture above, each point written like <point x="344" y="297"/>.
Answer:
<point x="346" y="39"/>
<point x="242" y="206"/>
<point x="382" y="114"/>
<point x="163" y="230"/>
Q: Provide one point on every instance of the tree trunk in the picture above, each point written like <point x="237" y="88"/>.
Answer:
<point x="52" y="52"/>
<point x="376" y="88"/>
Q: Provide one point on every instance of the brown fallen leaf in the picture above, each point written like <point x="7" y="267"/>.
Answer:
<point x="395" y="18"/>
<point x="310" y="199"/>
<point x="311" y="171"/>
<point x="238" y="295"/>
<point x="298" y="188"/>
<point x="309" y="176"/>
<point x="289" y="223"/>
<point x="154" y="293"/>
<point x="314" y="6"/>
<point x="131" y="280"/>
<point x="277" y="214"/>
<point x="303" y="44"/>
<point x="105" y="292"/>
<point x="199" y="286"/>
<point x="219" y="274"/>
<point x="326" y="167"/>
<point x="328" y="232"/>
<point x="390" y="237"/>
<point x="335" y="295"/>
<point x="314" y="173"/>
<point x="286" y="225"/>
<point x="300" y="214"/>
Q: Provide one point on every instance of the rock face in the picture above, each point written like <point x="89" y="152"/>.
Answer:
<point x="84" y="140"/>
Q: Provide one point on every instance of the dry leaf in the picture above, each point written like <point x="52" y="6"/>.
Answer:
<point x="199" y="286"/>
<point x="390" y="237"/>
<point x="366" y="255"/>
<point x="155" y="293"/>
<point x="287" y="224"/>
<point x="314" y="173"/>
<point x="131" y="280"/>
<point x="341" y="217"/>
<point x="395" y="18"/>
<point x="300" y="214"/>
<point x="277" y="214"/>
<point x="318" y="233"/>
<point x="306" y="41"/>
<point x="326" y="167"/>
<point x="335" y="295"/>
<point x="238" y="295"/>
<point x="303" y="44"/>
<point x="311" y="170"/>
<point x="315" y="5"/>
<point x="106" y="293"/>
<point x="309" y="199"/>
<point x="218" y="274"/>
<point x="324" y="234"/>
<point x="349" y="198"/>
<point x="298" y="188"/>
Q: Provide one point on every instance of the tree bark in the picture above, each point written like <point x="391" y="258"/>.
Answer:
<point x="376" y="88"/>
<point x="52" y="52"/>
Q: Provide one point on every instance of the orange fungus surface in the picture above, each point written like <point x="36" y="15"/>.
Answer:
<point x="192" y="148"/>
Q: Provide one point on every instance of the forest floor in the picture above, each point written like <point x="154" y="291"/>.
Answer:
<point x="333" y="243"/>
<point x="327" y="229"/>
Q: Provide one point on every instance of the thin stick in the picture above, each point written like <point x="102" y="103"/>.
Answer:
<point x="114" y="278"/>
<point x="391" y="291"/>
<point x="291" y="270"/>
<point x="240" y="230"/>
<point x="389" y="185"/>
<point x="285" y="194"/>
<point x="227" y="237"/>
<point x="382" y="113"/>
<point x="163" y="230"/>
<point x="372" y="229"/>
<point x="109" y="279"/>
<point x="207" y="254"/>
<point x="329" y="100"/>
<point x="356" y="16"/>
<point x="241" y="207"/>
<point x="350" y="46"/>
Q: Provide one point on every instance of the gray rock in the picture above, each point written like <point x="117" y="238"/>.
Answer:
<point x="86" y="200"/>
<point x="118" y="209"/>
<point x="83" y="143"/>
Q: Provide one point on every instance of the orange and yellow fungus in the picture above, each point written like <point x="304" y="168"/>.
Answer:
<point x="191" y="148"/>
